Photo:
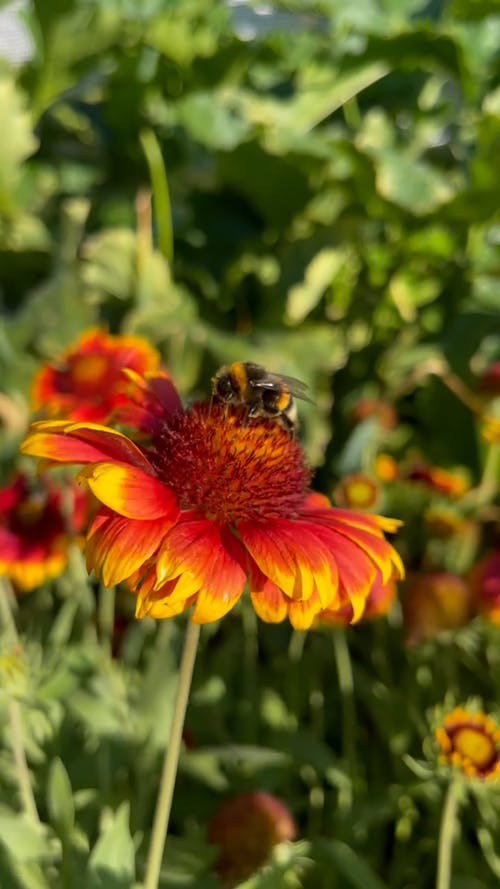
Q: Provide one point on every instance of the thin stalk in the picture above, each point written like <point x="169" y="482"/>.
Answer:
<point x="171" y="759"/>
<point x="446" y="837"/>
<point x="21" y="765"/>
<point x="346" y="685"/>
<point x="487" y="488"/>
<point x="14" y="711"/>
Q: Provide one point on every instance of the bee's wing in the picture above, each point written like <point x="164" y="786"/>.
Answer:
<point x="294" y="386"/>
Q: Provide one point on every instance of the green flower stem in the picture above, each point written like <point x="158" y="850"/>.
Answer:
<point x="7" y="598"/>
<point x="488" y="486"/>
<point x="346" y="685"/>
<point x="171" y="760"/>
<point x="21" y="765"/>
<point x="14" y="710"/>
<point x="446" y="836"/>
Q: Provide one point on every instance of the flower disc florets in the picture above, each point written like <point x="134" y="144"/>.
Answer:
<point x="230" y="469"/>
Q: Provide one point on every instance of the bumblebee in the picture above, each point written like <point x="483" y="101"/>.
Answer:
<point x="262" y="393"/>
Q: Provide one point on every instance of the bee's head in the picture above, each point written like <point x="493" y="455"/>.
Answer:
<point x="223" y="385"/>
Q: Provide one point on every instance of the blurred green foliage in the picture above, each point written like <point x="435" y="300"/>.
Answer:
<point x="322" y="181"/>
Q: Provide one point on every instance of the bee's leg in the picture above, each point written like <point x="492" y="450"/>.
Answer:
<point x="252" y="410"/>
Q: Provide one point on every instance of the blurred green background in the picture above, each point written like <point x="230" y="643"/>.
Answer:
<point x="332" y="170"/>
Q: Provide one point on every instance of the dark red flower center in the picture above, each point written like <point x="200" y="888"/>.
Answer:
<point x="231" y="468"/>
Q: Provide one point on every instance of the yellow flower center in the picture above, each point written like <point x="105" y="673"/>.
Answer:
<point x="87" y="370"/>
<point x="475" y="745"/>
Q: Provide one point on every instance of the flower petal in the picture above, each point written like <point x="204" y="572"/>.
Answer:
<point x="131" y="492"/>
<point x="292" y="555"/>
<point x="118" y="546"/>
<point x="271" y="552"/>
<point x="208" y="560"/>
<point x="68" y="442"/>
<point x="153" y="396"/>
<point x="302" y="614"/>
<point x="269" y="603"/>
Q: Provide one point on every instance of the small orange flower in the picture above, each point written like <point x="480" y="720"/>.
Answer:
<point x="246" y="828"/>
<point x="34" y="533"/>
<point x="210" y="502"/>
<point x="485" y="582"/>
<point x="87" y="382"/>
<point x="444" y="481"/>
<point x="385" y="468"/>
<point x="471" y="743"/>
<point x="357" y="491"/>
<point x="378" y="604"/>
<point x="435" y="601"/>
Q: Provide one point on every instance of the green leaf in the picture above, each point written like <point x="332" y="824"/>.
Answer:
<point x="411" y="184"/>
<point x="24" y="841"/>
<point x="111" y="862"/>
<point x="212" y="121"/>
<point x="60" y="799"/>
<point x="320" y="274"/>
<point x="161" y="195"/>
<point x="16" y="144"/>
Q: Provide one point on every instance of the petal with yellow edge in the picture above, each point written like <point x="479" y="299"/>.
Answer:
<point x="118" y="546"/>
<point x="271" y="551"/>
<point x="301" y="614"/>
<point x="269" y="603"/>
<point x="67" y="442"/>
<point x="131" y="492"/>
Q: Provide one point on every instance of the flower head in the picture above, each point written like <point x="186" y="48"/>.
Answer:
<point x="443" y="481"/>
<point x="485" y="582"/>
<point x="34" y="531"/>
<point x="246" y="827"/>
<point x="357" y="491"/>
<point x="435" y="601"/>
<point x="87" y="383"/>
<point x="210" y="501"/>
<point x="385" y="468"/>
<point x="470" y="742"/>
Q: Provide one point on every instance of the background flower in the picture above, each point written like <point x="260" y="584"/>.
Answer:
<point x="38" y="520"/>
<point x="246" y="827"/>
<point x="435" y="601"/>
<point x="86" y="382"/>
<point x="470" y="741"/>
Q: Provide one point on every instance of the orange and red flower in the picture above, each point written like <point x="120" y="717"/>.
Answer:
<point x="435" y="601"/>
<point x="451" y="483"/>
<point x="34" y="530"/>
<point x="485" y="582"/>
<point x="246" y="827"/>
<point x="209" y="502"/>
<point x="87" y="382"/>
<point x="357" y="491"/>
<point x="470" y="742"/>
